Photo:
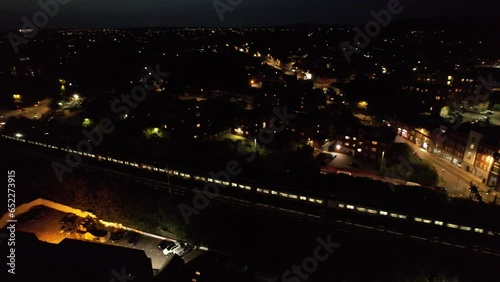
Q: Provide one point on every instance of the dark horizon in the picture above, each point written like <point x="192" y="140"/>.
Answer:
<point x="202" y="13"/>
<point x="427" y="21"/>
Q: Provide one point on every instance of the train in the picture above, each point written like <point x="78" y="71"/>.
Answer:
<point x="324" y="201"/>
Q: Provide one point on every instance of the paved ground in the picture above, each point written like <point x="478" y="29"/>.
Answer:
<point x="494" y="118"/>
<point x="344" y="160"/>
<point x="29" y="112"/>
<point x="46" y="228"/>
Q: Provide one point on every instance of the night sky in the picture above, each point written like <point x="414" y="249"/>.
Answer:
<point x="152" y="13"/>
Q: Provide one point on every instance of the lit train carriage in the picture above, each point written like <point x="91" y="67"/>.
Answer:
<point x="291" y="194"/>
<point x="332" y="204"/>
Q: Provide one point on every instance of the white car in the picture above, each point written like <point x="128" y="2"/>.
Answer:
<point x="176" y="248"/>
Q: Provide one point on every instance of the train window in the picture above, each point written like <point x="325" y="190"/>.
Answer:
<point x="283" y="194"/>
<point x="218" y="181"/>
<point x="383" y="212"/>
<point x="274" y="192"/>
<point x="311" y="200"/>
<point x="394" y="215"/>
<point x="225" y="183"/>
<point x="478" y="230"/>
<point x="350" y="207"/>
<point x="303" y="198"/>
<point x="361" y="209"/>
<point x="402" y="216"/>
<point x="266" y="191"/>
<point x="292" y="196"/>
<point x="341" y="206"/>
<point x="452" y="225"/>
<point x="248" y="187"/>
<point x="259" y="190"/>
<point x="465" y="228"/>
<point x="372" y="211"/>
<point x="319" y="201"/>
<point x="234" y="184"/>
<point x="427" y="221"/>
<point x="438" y="222"/>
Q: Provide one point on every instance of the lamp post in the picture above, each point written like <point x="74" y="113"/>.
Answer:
<point x="382" y="161"/>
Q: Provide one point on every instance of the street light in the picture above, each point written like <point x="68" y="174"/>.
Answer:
<point x="382" y="161"/>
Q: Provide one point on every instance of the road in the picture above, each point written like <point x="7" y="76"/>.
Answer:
<point x="456" y="180"/>
<point x="29" y="112"/>
<point x="494" y="118"/>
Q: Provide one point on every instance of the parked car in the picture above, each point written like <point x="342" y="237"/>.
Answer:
<point x="117" y="235"/>
<point x="67" y="217"/>
<point x="176" y="248"/>
<point x="164" y="244"/>
<point x="134" y="238"/>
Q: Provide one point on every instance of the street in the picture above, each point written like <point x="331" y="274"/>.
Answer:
<point x="456" y="180"/>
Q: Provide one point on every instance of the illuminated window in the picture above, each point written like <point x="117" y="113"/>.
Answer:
<point x="374" y="142"/>
<point x="374" y="149"/>
<point x="347" y="137"/>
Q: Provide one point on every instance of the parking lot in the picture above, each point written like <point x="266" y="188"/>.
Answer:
<point x="47" y="228"/>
